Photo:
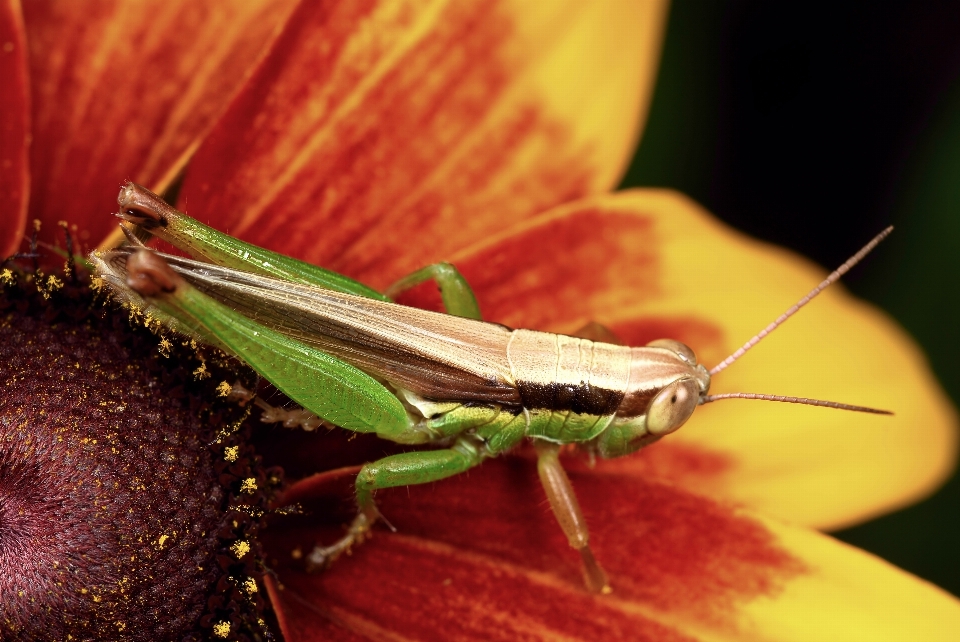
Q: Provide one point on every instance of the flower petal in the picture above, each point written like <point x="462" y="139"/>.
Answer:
<point x="14" y="128"/>
<point x="372" y="125"/>
<point x="479" y="557"/>
<point x="121" y="90"/>
<point x="651" y="264"/>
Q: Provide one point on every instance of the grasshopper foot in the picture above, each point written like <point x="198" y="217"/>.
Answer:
<point x="360" y="530"/>
<point x="593" y="574"/>
<point x="297" y="418"/>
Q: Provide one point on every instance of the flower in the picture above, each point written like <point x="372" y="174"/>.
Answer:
<point x="119" y="518"/>
<point x="374" y="138"/>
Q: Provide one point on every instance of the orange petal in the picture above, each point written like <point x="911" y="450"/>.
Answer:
<point x="651" y="264"/>
<point x="122" y="89"/>
<point x="371" y="126"/>
<point x="14" y="128"/>
<point x="479" y="557"/>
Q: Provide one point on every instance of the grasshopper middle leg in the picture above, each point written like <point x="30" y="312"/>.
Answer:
<point x="457" y="295"/>
<point x="399" y="470"/>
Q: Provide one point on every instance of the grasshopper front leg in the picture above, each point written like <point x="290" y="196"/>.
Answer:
<point x="566" y="508"/>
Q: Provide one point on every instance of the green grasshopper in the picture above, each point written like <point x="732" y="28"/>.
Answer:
<point x="355" y="359"/>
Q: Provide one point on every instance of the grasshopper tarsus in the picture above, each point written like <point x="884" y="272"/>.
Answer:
<point x="360" y="530"/>
<point x="594" y="577"/>
<point x="294" y="418"/>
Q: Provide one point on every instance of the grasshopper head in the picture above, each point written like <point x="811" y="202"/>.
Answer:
<point x="666" y="385"/>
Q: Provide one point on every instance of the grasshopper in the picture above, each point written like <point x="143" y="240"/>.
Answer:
<point x="357" y="360"/>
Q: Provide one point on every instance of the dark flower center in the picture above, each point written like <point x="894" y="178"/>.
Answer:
<point x="120" y="518"/>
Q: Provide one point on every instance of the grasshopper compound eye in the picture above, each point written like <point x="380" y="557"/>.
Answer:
<point x="671" y="408"/>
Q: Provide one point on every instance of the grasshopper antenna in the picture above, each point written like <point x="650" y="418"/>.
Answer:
<point x="800" y="400"/>
<point x="831" y="278"/>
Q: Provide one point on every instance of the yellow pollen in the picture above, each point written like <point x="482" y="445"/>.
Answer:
<point x="7" y="277"/>
<point x="52" y="285"/>
<point x="240" y="548"/>
<point x="162" y="540"/>
<point x="249" y="485"/>
<point x="250" y="585"/>
<point x="224" y="389"/>
<point x="230" y="453"/>
<point x="221" y="629"/>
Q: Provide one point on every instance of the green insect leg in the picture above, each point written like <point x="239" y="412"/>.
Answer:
<point x="457" y="295"/>
<point x="405" y="469"/>
<point x="331" y="389"/>
<point x="566" y="509"/>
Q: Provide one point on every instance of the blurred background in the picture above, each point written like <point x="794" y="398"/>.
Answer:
<point x="815" y="125"/>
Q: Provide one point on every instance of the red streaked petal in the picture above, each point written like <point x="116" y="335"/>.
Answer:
<point x="14" y="128"/>
<point x="651" y="264"/>
<point x="480" y="557"/>
<point x="122" y="89"/>
<point x="378" y="136"/>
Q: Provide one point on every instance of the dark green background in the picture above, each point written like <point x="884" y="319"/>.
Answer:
<point x="815" y="126"/>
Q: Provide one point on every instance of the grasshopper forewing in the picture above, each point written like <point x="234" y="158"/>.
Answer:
<point x="362" y="362"/>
